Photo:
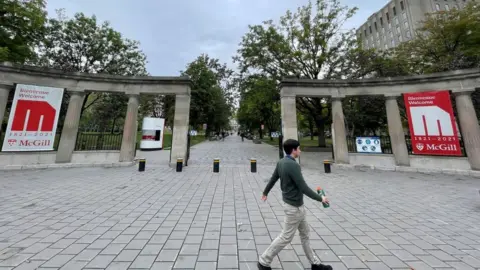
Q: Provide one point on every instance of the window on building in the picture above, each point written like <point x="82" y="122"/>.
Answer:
<point x="370" y="27"/>
<point x="393" y="42"/>
<point x="404" y="14"/>
<point x="437" y="6"/>
<point x="400" y="38"/>
<point x="447" y="7"/>
<point x="402" y="6"/>
<point x="365" y="32"/>
<point x="386" y="46"/>
<point x="394" y="11"/>
<point x="396" y="20"/>
<point x="376" y="28"/>
<point x="398" y="29"/>
<point x="378" y="34"/>
<point x="409" y="35"/>
<point x="381" y="21"/>
<point x="388" y="17"/>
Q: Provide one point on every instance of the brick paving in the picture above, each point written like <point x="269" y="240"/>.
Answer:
<point x="118" y="218"/>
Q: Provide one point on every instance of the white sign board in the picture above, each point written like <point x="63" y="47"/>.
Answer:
<point x="275" y="134"/>
<point x="33" y="118"/>
<point x="368" y="145"/>
<point x="193" y="133"/>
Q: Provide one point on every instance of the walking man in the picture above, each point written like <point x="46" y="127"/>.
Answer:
<point x="293" y="188"/>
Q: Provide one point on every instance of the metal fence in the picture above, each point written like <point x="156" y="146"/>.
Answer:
<point x="385" y="143"/>
<point x="94" y="141"/>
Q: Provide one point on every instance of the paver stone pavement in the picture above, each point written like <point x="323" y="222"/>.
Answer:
<point x="119" y="218"/>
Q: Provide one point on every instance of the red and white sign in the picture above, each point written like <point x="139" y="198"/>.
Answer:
<point x="432" y="124"/>
<point x="33" y="118"/>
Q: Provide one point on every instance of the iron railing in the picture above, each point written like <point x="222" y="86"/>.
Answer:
<point x="98" y="141"/>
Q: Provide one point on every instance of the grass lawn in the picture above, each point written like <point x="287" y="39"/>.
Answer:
<point x="167" y="140"/>
<point x="305" y="141"/>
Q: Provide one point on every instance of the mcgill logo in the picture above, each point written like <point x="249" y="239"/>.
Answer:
<point x="34" y="142"/>
<point x="33" y="115"/>
<point x="431" y="121"/>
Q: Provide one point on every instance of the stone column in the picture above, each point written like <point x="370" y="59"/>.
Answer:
<point x="180" y="129"/>
<point x="289" y="118"/>
<point x="69" y="134"/>
<point x="395" y="130"/>
<point x="341" y="149"/>
<point x="4" y="91"/>
<point x="469" y="126"/>
<point x="127" y="151"/>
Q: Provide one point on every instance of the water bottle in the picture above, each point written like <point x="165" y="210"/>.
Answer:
<point x="321" y="192"/>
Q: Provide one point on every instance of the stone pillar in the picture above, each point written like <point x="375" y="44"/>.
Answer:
<point x="127" y="151"/>
<point x="395" y="130"/>
<point x="4" y="91"/>
<point x="469" y="126"/>
<point x="180" y="129"/>
<point x="69" y="134"/>
<point x="341" y="149"/>
<point x="289" y="118"/>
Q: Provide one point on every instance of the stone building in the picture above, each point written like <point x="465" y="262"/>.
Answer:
<point x="397" y="21"/>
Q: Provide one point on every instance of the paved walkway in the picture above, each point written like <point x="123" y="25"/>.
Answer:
<point x="121" y="219"/>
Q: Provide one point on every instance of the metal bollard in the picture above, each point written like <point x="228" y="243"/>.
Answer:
<point x="326" y="166"/>
<point x="216" y="165"/>
<point x="141" y="165"/>
<point x="253" y="165"/>
<point x="179" y="164"/>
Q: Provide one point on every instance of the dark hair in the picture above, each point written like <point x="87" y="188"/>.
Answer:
<point x="290" y="145"/>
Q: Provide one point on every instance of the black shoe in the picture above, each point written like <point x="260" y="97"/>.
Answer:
<point x="261" y="267"/>
<point x="321" y="267"/>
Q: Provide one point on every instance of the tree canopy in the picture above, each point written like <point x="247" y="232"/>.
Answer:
<point x="22" y="25"/>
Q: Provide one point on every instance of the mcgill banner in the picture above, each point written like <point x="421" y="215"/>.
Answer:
<point x="432" y="124"/>
<point x="33" y="118"/>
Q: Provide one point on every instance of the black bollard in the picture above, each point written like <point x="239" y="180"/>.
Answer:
<point x="253" y="165"/>
<point x="326" y="166"/>
<point x="179" y="164"/>
<point x="216" y="165"/>
<point x="141" y="165"/>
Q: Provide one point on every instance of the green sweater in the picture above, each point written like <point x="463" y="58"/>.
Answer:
<point x="291" y="182"/>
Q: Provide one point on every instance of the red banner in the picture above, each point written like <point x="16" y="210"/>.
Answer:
<point x="432" y="124"/>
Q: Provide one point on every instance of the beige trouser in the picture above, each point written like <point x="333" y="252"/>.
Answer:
<point x="295" y="218"/>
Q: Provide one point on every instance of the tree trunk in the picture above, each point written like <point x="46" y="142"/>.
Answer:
<point x="310" y="127"/>
<point x="261" y="133"/>
<point x="321" y="133"/>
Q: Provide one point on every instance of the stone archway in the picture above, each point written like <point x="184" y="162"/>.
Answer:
<point x="462" y="83"/>
<point x="79" y="83"/>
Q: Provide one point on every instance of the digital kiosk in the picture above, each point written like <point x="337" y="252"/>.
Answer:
<point x="152" y="134"/>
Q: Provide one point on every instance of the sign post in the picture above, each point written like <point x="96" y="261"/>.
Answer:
<point x="33" y="118"/>
<point x="432" y="124"/>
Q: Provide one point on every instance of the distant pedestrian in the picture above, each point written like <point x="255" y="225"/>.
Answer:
<point x="293" y="188"/>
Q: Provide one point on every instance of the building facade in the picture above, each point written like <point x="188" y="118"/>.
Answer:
<point x="396" y="21"/>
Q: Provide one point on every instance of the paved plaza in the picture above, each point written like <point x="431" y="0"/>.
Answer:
<point x="118" y="218"/>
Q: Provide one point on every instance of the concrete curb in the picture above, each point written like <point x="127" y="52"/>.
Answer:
<point x="472" y="173"/>
<point x="65" y="165"/>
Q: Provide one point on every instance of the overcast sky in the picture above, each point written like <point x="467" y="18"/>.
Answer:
<point x="172" y="33"/>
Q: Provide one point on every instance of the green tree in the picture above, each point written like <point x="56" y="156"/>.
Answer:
<point x="310" y="43"/>
<point x="21" y="28"/>
<point x="211" y="94"/>
<point x="82" y="44"/>
<point x="260" y="104"/>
